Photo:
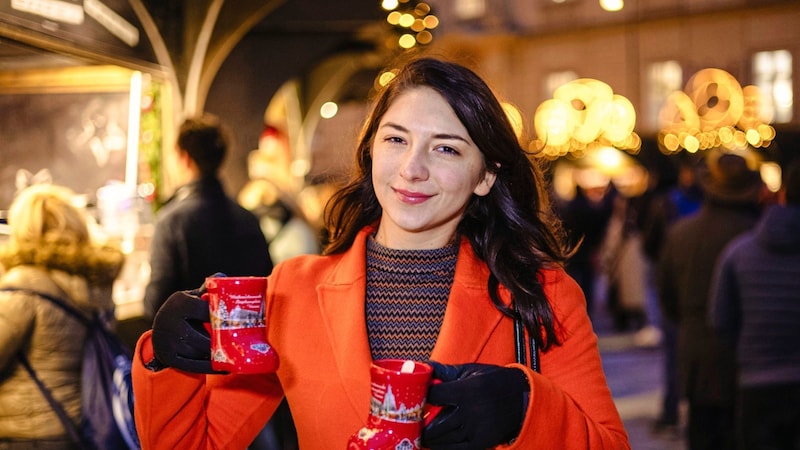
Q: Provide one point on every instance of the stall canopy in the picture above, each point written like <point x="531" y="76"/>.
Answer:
<point x="105" y="32"/>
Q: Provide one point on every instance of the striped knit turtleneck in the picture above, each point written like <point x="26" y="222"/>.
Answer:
<point x="407" y="293"/>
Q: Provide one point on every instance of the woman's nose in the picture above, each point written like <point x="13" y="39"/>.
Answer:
<point x="414" y="164"/>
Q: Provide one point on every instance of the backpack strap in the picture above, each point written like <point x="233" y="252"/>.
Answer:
<point x="69" y="426"/>
<point x="58" y="408"/>
<point x="66" y="307"/>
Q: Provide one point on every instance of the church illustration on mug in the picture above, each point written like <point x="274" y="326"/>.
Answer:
<point x="237" y="317"/>
<point x="388" y="409"/>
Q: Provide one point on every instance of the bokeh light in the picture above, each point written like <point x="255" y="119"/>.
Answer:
<point x="328" y="110"/>
<point x="412" y="22"/>
<point x="582" y="116"/>
<point x="714" y="110"/>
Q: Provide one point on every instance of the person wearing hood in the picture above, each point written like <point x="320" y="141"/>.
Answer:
<point x="706" y="365"/>
<point x="755" y="304"/>
<point x="50" y="251"/>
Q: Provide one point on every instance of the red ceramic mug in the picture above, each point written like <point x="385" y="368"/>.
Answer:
<point x="238" y="328"/>
<point x="397" y="405"/>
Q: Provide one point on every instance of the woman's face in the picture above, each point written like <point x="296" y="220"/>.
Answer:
<point x="425" y="168"/>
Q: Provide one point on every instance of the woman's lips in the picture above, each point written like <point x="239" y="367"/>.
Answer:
<point x="411" y="197"/>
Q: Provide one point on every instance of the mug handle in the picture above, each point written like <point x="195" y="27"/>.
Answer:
<point x="207" y="325"/>
<point x="430" y="411"/>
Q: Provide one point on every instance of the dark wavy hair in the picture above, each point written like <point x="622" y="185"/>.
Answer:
<point x="512" y="229"/>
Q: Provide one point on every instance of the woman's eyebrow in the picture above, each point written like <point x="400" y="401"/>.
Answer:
<point x="395" y="126"/>
<point x="436" y="136"/>
<point x="451" y="136"/>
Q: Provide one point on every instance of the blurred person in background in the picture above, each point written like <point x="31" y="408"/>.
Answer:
<point x="586" y="218"/>
<point x="682" y="198"/>
<point x="755" y="304"/>
<point x="271" y="196"/>
<point x="50" y="250"/>
<point x="200" y="230"/>
<point x="624" y="265"/>
<point x="707" y="369"/>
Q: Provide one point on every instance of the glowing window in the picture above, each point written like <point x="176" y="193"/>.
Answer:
<point x="469" y="9"/>
<point x="662" y="79"/>
<point x="554" y="80"/>
<point x="772" y="73"/>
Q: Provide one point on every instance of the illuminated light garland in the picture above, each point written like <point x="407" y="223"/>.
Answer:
<point x="584" y="115"/>
<point x="713" y="110"/>
<point x="413" y="22"/>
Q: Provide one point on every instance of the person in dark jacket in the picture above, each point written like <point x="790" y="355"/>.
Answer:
<point x="756" y="304"/>
<point x="706" y="365"/>
<point x="201" y="231"/>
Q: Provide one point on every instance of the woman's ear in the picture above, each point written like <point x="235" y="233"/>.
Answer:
<point x="485" y="185"/>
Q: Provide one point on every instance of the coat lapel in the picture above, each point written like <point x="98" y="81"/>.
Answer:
<point x="469" y="321"/>
<point x="470" y="318"/>
<point x="341" y="301"/>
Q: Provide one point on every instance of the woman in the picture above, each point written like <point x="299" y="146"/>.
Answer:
<point x="444" y="224"/>
<point x="49" y="251"/>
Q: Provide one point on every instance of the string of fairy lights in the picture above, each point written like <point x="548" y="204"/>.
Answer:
<point x="412" y="20"/>
<point x="714" y="111"/>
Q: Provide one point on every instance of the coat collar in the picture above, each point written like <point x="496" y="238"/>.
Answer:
<point x="99" y="264"/>
<point x="469" y="320"/>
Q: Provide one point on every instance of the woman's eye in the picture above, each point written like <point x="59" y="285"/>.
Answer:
<point x="447" y="149"/>
<point x="393" y="139"/>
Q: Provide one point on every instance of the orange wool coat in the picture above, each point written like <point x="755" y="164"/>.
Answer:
<point x="316" y="320"/>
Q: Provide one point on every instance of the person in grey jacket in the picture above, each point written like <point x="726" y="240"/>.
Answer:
<point x="755" y="303"/>
<point x="50" y="251"/>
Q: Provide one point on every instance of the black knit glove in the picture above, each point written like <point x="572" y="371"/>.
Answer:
<point x="180" y="338"/>
<point x="483" y="406"/>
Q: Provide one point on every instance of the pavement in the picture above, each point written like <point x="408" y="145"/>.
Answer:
<point x="633" y="368"/>
<point x="634" y="374"/>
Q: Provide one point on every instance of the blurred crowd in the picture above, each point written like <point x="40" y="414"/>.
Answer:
<point x="660" y="258"/>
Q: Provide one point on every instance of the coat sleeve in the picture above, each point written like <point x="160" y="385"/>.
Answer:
<point x="570" y="405"/>
<point x="176" y="410"/>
